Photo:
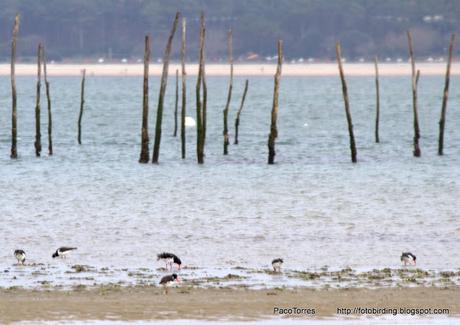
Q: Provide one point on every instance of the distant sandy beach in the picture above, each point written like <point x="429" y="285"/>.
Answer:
<point x="253" y="69"/>
<point x="140" y="303"/>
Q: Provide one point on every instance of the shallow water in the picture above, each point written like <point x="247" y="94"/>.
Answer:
<point x="313" y="208"/>
<point x="376" y="320"/>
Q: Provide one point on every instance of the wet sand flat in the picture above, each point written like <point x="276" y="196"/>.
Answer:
<point x="141" y="303"/>
<point x="250" y="69"/>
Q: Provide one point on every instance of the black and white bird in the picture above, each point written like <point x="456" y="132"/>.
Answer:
<point x="20" y="256"/>
<point x="169" y="280"/>
<point x="408" y="258"/>
<point x="277" y="263"/>
<point x="62" y="251"/>
<point x="170" y="259"/>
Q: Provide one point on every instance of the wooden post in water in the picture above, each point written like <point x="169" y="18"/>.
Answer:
<point x="14" y="130"/>
<point x="38" y="143"/>
<point x="229" y="96"/>
<point x="377" y="104"/>
<point x="82" y="102"/>
<point x="274" y="116"/>
<point x="144" y="158"/>
<point x="204" y="110"/>
<point x="48" y="99"/>
<point x="176" y="103"/>
<point x="163" y="83"/>
<point x="184" y="90"/>
<point x="237" y="120"/>
<point x="442" y="121"/>
<point x="417" y="152"/>
<point x="199" y="104"/>
<point x="347" y="105"/>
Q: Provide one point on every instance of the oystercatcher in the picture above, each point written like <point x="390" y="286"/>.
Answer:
<point x="20" y="256"/>
<point x="408" y="258"/>
<point x="170" y="259"/>
<point x="169" y="280"/>
<point x="277" y="263"/>
<point x="62" y="251"/>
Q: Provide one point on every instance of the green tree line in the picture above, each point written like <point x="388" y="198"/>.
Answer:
<point x="86" y="29"/>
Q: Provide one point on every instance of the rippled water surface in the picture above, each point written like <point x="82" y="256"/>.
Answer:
<point x="313" y="208"/>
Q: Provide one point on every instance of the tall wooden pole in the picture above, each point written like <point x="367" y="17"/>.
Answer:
<point x="164" y="81"/>
<point x="237" y="120"/>
<point x="184" y="90"/>
<point x="417" y="152"/>
<point x="48" y="99"/>
<point x="229" y="96"/>
<point x="200" y="119"/>
<point x="274" y="116"/>
<point x="14" y="130"/>
<point x="176" y="103"/>
<point x="82" y="102"/>
<point x="144" y="157"/>
<point x="442" y="121"/>
<point x="377" y="104"/>
<point x="38" y="143"/>
<point x="347" y="105"/>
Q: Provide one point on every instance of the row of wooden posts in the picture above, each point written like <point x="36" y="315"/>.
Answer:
<point x="414" y="80"/>
<point x="201" y="99"/>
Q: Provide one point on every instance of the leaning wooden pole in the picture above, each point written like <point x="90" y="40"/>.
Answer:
<point x="48" y="99"/>
<point x="38" y="142"/>
<point x="163" y="83"/>
<point x="204" y="110"/>
<point x="237" y="120"/>
<point x="347" y="105"/>
<point x="377" y="103"/>
<point x="442" y="121"/>
<point x="184" y="90"/>
<point x="144" y="158"/>
<point x="229" y="96"/>
<point x="274" y="116"/>
<point x="14" y="130"/>
<point x="82" y="103"/>
<point x="199" y="103"/>
<point x="176" y="103"/>
<point x="417" y="152"/>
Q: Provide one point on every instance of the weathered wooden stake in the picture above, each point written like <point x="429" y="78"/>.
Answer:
<point x="417" y="152"/>
<point x="38" y="143"/>
<point x="14" y="130"/>
<point x="377" y="104"/>
<point x="48" y="99"/>
<point x="144" y="158"/>
<point x="229" y="96"/>
<point x="200" y="106"/>
<point x="237" y="120"/>
<point x="347" y="105"/>
<point x="163" y="83"/>
<point x="176" y="104"/>
<point x="184" y="90"/>
<point x="82" y="102"/>
<point x="273" y="128"/>
<point x="442" y="121"/>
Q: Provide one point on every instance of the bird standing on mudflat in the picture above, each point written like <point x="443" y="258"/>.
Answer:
<point x="62" y="251"/>
<point x="20" y="256"/>
<point x="408" y="258"/>
<point x="169" y="280"/>
<point x="170" y="259"/>
<point x="277" y="263"/>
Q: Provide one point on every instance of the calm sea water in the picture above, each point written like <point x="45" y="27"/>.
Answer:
<point x="313" y="208"/>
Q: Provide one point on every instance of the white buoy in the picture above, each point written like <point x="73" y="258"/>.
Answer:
<point x="189" y="121"/>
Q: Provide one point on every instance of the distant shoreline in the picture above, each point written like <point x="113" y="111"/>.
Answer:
<point x="250" y="69"/>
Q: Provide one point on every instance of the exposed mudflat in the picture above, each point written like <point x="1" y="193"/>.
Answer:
<point x="142" y="303"/>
